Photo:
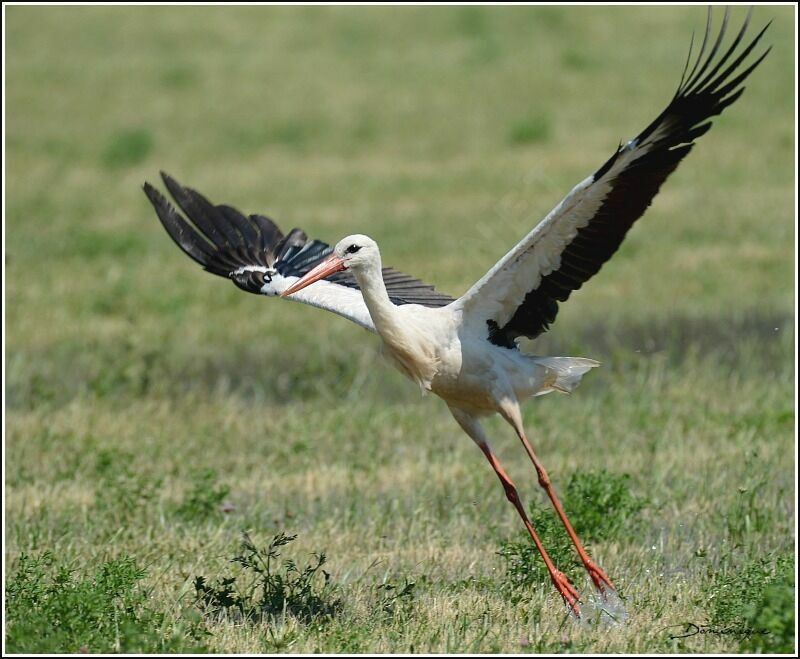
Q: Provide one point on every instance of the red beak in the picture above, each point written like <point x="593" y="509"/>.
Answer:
<point x="330" y="265"/>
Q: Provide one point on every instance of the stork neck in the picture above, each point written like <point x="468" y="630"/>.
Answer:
<point x="381" y="309"/>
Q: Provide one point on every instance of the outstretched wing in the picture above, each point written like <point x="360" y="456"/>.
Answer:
<point x="519" y="296"/>
<point x="253" y="252"/>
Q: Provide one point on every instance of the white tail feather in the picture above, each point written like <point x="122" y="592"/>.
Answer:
<point x="569" y="370"/>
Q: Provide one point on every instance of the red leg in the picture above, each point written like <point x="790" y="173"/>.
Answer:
<point x="560" y="580"/>
<point x="473" y="428"/>
<point x="599" y="578"/>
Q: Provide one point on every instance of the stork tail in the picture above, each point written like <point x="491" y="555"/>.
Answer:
<point x="568" y="370"/>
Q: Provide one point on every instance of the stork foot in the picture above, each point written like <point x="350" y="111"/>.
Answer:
<point x="599" y="578"/>
<point x="567" y="591"/>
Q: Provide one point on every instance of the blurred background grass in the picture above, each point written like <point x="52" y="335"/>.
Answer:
<point x="446" y="133"/>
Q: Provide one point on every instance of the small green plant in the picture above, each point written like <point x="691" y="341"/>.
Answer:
<point x="748" y="514"/>
<point x="205" y="498"/>
<point x="772" y="618"/>
<point x="600" y="505"/>
<point x="121" y="492"/>
<point x="51" y="608"/>
<point x="394" y="597"/>
<point x="524" y="565"/>
<point x="268" y="587"/>
<point x="757" y="601"/>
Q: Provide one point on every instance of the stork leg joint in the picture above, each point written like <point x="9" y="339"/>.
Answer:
<point x="544" y="479"/>
<point x="511" y="493"/>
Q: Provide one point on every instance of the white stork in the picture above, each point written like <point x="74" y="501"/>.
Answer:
<point x="464" y="350"/>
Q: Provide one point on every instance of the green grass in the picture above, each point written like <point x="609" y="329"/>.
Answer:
<point x="154" y="413"/>
<point x="51" y="609"/>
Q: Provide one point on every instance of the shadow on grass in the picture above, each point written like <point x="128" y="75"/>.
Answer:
<point x="679" y="336"/>
<point x="59" y="373"/>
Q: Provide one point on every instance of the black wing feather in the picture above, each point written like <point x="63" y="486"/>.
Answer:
<point x="229" y="244"/>
<point x="703" y="94"/>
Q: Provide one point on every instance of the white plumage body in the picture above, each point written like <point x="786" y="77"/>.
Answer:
<point x="433" y="350"/>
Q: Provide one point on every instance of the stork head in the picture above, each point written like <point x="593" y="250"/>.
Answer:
<point x="357" y="253"/>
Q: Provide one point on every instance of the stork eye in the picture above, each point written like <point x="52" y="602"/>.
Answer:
<point x="352" y="249"/>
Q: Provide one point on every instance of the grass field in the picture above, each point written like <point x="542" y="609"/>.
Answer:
<point x="156" y="414"/>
